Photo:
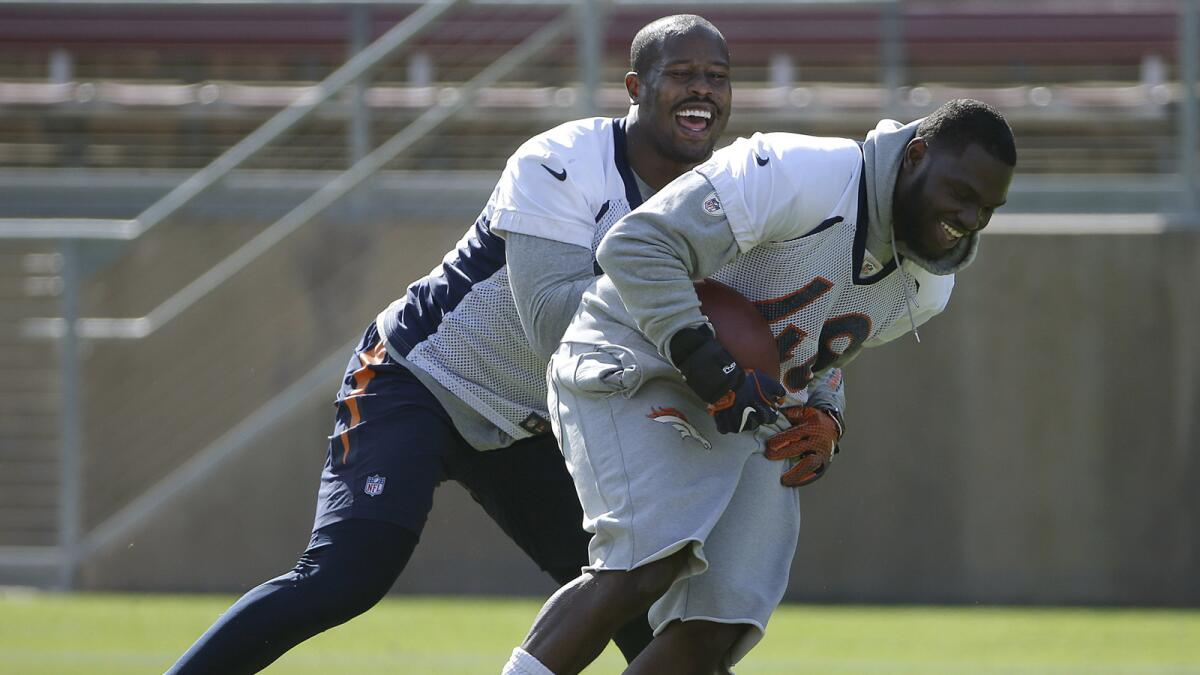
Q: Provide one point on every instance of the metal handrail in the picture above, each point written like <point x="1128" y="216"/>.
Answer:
<point x="68" y="228"/>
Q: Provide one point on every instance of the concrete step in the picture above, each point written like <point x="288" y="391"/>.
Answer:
<point x="32" y="495"/>
<point x="37" y="516"/>
<point x="29" y="398"/>
<point x="29" y="565"/>
<point x="40" y="471"/>
<point x="36" y="534"/>
<point x="28" y="426"/>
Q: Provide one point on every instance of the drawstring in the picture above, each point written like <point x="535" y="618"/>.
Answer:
<point x="904" y="282"/>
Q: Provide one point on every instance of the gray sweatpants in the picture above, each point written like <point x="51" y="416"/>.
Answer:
<point x="654" y="476"/>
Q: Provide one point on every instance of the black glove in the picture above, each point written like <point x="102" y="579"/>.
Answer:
<point x="738" y="399"/>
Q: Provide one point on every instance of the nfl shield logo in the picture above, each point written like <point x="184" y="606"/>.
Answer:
<point x="712" y="204"/>
<point x="374" y="486"/>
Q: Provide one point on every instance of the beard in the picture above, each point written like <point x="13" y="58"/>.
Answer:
<point x="907" y="221"/>
<point x="906" y="217"/>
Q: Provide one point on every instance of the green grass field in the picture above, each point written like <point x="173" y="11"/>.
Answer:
<point x="49" y="634"/>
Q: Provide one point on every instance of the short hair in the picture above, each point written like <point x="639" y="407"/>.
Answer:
<point x="647" y="44"/>
<point x="961" y="122"/>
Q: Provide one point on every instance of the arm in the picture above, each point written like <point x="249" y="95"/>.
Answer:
<point x="768" y="188"/>
<point x="651" y="256"/>
<point x="764" y="189"/>
<point x="828" y="391"/>
<point x="547" y="279"/>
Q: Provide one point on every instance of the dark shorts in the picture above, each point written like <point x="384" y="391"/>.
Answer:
<point x="393" y="443"/>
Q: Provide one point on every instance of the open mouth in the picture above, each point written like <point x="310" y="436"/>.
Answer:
<point x="694" y="120"/>
<point x="953" y="234"/>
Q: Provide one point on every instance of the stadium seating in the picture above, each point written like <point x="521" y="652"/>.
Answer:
<point x="173" y="87"/>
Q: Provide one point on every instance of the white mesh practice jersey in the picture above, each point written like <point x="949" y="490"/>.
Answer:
<point x="804" y="269"/>
<point x="796" y="207"/>
<point x="459" y="324"/>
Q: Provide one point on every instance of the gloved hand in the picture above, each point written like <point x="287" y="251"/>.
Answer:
<point x="812" y="441"/>
<point x="750" y="403"/>
<point x="738" y="399"/>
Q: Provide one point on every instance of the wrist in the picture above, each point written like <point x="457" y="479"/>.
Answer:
<point x="687" y="341"/>
<point x="835" y="414"/>
<point x="707" y="367"/>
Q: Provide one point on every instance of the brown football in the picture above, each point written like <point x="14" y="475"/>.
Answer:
<point x="740" y="328"/>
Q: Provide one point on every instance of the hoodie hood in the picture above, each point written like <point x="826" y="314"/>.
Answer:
<point x="883" y="152"/>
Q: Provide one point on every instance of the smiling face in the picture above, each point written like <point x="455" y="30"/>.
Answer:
<point x="942" y="195"/>
<point x="683" y="98"/>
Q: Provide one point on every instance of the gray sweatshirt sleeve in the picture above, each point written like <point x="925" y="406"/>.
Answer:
<point x="547" y="278"/>
<point x="828" y="390"/>
<point x="653" y="254"/>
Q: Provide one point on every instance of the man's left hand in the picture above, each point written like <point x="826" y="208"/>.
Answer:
<point x="811" y="441"/>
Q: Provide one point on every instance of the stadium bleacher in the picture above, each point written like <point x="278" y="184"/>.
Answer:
<point x="173" y="87"/>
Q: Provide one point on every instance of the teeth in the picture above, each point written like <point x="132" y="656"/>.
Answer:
<point x="953" y="232"/>
<point x="695" y="113"/>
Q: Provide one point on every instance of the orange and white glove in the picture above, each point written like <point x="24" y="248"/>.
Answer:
<point x="811" y="442"/>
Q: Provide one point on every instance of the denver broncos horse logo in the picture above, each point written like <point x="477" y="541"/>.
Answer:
<point x="679" y="421"/>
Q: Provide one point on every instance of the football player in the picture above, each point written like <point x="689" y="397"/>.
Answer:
<point x="840" y="246"/>
<point x="449" y="381"/>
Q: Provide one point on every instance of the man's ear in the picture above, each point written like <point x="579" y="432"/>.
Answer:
<point x="915" y="151"/>
<point x="633" y="86"/>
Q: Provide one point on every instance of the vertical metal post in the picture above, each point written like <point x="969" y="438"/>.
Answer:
<point x="69" y="418"/>
<point x="1189" y="105"/>
<point x="891" y="54"/>
<point x="61" y="67"/>
<point x="359" y="132"/>
<point x="590" y="32"/>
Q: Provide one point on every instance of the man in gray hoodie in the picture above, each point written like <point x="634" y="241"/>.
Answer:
<point x="840" y="246"/>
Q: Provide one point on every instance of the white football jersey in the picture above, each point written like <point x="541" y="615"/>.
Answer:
<point x="459" y="324"/>
<point x="797" y="208"/>
<point x="793" y="205"/>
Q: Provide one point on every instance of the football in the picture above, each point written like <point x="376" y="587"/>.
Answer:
<point x="740" y="328"/>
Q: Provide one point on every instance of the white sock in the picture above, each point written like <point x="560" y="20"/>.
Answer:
<point x="523" y="663"/>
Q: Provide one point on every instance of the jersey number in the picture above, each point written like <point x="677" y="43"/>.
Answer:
<point x="851" y="330"/>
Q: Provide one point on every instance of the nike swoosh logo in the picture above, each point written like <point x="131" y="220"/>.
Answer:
<point x="561" y="175"/>
<point x="746" y="413"/>
<point x="762" y="161"/>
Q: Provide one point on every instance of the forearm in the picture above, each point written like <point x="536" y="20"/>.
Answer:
<point x="547" y="279"/>
<point x="828" y="391"/>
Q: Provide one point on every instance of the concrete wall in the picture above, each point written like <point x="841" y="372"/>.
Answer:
<point x="1040" y="445"/>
